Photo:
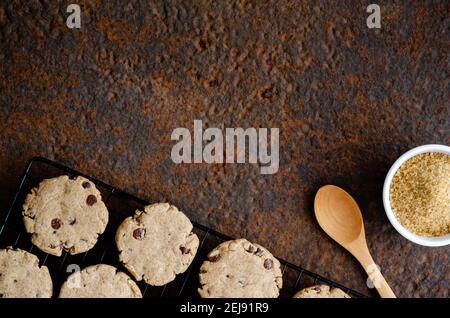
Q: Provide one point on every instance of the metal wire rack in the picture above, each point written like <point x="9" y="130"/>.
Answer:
<point x="120" y="205"/>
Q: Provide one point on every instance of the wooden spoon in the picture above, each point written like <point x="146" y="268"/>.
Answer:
<point x="340" y="217"/>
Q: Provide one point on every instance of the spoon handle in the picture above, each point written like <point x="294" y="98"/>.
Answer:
<point x="375" y="276"/>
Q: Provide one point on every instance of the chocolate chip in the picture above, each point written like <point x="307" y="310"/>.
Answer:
<point x="184" y="250"/>
<point x="258" y="252"/>
<point x="56" y="224"/>
<point x="317" y="289"/>
<point x="268" y="264"/>
<point x="72" y="221"/>
<point x="250" y="249"/>
<point x="30" y="213"/>
<point x="1" y="295"/>
<point x="91" y="200"/>
<point x="214" y="258"/>
<point x="139" y="234"/>
<point x="86" y="185"/>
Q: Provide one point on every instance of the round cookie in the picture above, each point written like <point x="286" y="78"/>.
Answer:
<point x="240" y="269"/>
<point x="22" y="277"/>
<point x="65" y="214"/>
<point x="321" y="291"/>
<point x="99" y="281"/>
<point x="156" y="244"/>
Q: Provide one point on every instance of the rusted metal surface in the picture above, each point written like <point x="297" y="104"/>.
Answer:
<point x="348" y="101"/>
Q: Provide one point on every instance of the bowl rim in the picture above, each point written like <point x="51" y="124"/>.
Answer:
<point x="421" y="240"/>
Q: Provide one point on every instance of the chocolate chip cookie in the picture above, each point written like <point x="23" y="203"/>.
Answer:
<point x="22" y="277"/>
<point x="65" y="214"/>
<point x="157" y="244"/>
<point x="240" y="269"/>
<point x="321" y="291"/>
<point x="99" y="281"/>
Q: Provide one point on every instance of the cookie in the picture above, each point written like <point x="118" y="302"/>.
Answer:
<point x="240" y="269"/>
<point x="22" y="277"/>
<point x="65" y="214"/>
<point x="156" y="244"/>
<point x="99" y="281"/>
<point x="321" y="291"/>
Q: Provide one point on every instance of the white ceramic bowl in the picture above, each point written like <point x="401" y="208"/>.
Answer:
<point x="421" y="240"/>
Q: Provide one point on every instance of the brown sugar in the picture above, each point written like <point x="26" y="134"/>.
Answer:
<point x="420" y="194"/>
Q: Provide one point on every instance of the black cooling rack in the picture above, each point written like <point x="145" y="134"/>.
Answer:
<point x="121" y="205"/>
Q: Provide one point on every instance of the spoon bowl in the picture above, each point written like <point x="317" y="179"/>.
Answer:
<point x="338" y="214"/>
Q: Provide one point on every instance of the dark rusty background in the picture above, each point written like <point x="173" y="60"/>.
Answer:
<point x="348" y="101"/>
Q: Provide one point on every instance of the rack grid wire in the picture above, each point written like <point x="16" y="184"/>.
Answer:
<point x="120" y="205"/>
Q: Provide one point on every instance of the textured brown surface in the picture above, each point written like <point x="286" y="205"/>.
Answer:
<point x="348" y="101"/>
